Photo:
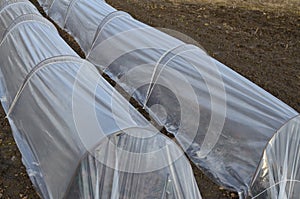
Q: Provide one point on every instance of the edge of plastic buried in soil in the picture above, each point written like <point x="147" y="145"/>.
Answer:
<point x="89" y="129"/>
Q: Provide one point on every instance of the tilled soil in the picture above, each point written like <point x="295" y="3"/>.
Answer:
<point x="261" y="45"/>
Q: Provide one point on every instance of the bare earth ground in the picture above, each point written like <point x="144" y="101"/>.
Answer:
<point x="258" y="39"/>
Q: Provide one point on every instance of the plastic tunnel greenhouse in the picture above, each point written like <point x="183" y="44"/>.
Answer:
<point x="243" y="137"/>
<point x="78" y="137"/>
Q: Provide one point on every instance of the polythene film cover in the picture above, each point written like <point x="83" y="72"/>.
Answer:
<point x="64" y="114"/>
<point x="222" y="120"/>
<point x="278" y="174"/>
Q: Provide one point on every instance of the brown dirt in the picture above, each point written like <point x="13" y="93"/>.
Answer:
<point x="261" y="43"/>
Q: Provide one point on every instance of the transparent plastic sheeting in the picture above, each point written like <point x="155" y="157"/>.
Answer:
<point x="278" y="174"/>
<point x="78" y="137"/>
<point x="221" y="119"/>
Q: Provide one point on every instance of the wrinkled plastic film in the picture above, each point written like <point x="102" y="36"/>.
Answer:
<point x="60" y="108"/>
<point x="222" y="119"/>
<point x="278" y="173"/>
<point x="167" y="182"/>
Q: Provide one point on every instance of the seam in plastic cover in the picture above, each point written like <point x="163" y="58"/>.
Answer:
<point x="25" y="19"/>
<point x="35" y="69"/>
<point x="71" y="4"/>
<point x="51" y="6"/>
<point x="179" y="49"/>
<point x="107" y="19"/>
